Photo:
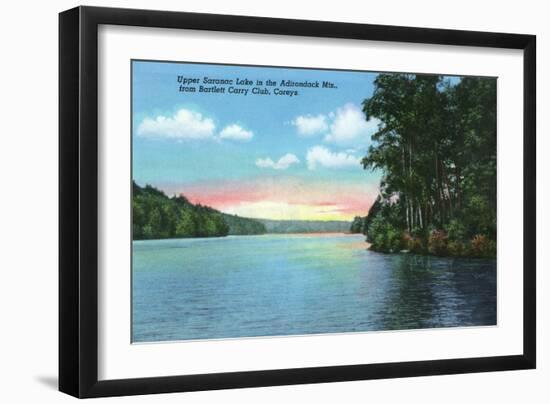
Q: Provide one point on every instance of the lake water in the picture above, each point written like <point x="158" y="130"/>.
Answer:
<point x="245" y="286"/>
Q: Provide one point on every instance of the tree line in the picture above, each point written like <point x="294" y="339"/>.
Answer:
<point x="436" y="150"/>
<point x="240" y="226"/>
<point x="156" y="216"/>
<point x="305" y="226"/>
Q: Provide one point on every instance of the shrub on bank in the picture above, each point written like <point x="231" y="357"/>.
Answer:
<point x="437" y="242"/>
<point x="389" y="239"/>
<point x="456" y="231"/>
<point x="456" y="248"/>
<point x="394" y="238"/>
<point x="384" y="236"/>
<point x="482" y="246"/>
<point x="414" y="243"/>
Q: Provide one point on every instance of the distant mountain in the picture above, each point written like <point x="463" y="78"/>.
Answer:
<point x="305" y="226"/>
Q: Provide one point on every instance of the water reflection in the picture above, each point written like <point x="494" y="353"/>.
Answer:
<point x="290" y="285"/>
<point x="439" y="292"/>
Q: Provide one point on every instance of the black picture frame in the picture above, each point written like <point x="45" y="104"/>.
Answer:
<point x="78" y="201"/>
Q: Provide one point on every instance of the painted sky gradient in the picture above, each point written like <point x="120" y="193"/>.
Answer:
<point x="282" y="197"/>
<point x="273" y="157"/>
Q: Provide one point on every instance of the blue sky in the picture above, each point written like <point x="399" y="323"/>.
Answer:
<point x="270" y="156"/>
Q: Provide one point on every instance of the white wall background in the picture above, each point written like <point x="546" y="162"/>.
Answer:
<point x="28" y="200"/>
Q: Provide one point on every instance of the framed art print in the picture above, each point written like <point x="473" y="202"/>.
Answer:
<point x="249" y="201"/>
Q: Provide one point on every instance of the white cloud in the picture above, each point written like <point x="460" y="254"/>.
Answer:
<point x="236" y="132"/>
<point x="190" y="125"/>
<point x="322" y="156"/>
<point x="184" y="124"/>
<point x="350" y="127"/>
<point x="282" y="164"/>
<point x="308" y="125"/>
<point x="344" y="127"/>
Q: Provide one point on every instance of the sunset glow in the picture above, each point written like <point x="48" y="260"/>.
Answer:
<point x="282" y="198"/>
<point x="267" y="157"/>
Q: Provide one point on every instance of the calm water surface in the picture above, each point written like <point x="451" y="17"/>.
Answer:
<point x="243" y="286"/>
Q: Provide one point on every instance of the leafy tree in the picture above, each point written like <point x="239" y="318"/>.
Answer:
<point x="358" y="225"/>
<point x="185" y="224"/>
<point x="436" y="149"/>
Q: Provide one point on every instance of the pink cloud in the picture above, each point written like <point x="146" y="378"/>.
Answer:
<point x="346" y="199"/>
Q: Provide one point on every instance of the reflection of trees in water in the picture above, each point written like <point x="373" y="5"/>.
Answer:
<point x="439" y="292"/>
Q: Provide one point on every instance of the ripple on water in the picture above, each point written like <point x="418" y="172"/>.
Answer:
<point x="247" y="286"/>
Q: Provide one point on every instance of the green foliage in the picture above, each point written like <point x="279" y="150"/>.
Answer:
<point x="383" y="213"/>
<point x="417" y="245"/>
<point x="367" y="223"/>
<point x="394" y="238"/>
<point x="155" y="216"/>
<point x="456" y="231"/>
<point x="437" y="243"/>
<point x="185" y="224"/>
<point x="420" y="233"/>
<point x="436" y="149"/>
<point x="483" y="247"/>
<point x="480" y="216"/>
<point x="241" y="225"/>
<point x="358" y="225"/>
<point x="456" y="248"/>
<point x="384" y="236"/>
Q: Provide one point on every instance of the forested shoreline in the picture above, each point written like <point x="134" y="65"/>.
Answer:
<point x="156" y="216"/>
<point x="436" y="150"/>
<point x="305" y="226"/>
